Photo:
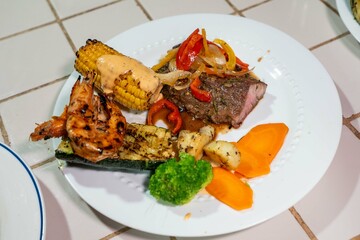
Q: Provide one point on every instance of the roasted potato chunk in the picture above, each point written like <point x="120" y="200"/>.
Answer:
<point x="223" y="152"/>
<point x="194" y="142"/>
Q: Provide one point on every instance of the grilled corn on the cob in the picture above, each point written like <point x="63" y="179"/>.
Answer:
<point x="87" y="56"/>
<point x="130" y="82"/>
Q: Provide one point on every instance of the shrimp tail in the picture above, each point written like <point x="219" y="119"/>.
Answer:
<point x="54" y="128"/>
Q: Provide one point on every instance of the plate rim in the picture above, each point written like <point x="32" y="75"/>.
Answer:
<point x="35" y="184"/>
<point x="283" y="35"/>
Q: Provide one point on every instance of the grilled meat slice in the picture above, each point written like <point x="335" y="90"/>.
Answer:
<point x="233" y="98"/>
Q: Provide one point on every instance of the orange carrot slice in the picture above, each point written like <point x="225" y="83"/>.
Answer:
<point x="229" y="189"/>
<point x="252" y="164"/>
<point x="259" y="147"/>
<point x="265" y="139"/>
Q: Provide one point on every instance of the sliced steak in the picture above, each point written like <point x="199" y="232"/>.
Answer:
<point x="233" y="98"/>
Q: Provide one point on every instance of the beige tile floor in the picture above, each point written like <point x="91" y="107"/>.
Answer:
<point x="38" y="39"/>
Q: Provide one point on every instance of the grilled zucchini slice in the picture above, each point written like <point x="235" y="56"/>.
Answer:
<point x="355" y="8"/>
<point x="145" y="148"/>
<point x="64" y="152"/>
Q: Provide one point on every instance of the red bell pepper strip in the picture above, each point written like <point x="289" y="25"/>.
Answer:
<point x="199" y="94"/>
<point x="173" y="117"/>
<point x="242" y="64"/>
<point x="188" y="50"/>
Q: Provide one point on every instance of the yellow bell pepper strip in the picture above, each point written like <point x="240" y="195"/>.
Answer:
<point x="174" y="116"/>
<point x="170" y="55"/>
<point x="231" y="58"/>
<point x="199" y="94"/>
<point x="205" y="42"/>
<point x="188" y="50"/>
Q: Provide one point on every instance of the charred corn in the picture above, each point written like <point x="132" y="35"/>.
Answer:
<point x="128" y="93"/>
<point x="87" y="56"/>
<point x="131" y="83"/>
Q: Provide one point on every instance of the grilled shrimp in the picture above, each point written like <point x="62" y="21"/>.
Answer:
<point x="55" y="127"/>
<point x="95" y="125"/>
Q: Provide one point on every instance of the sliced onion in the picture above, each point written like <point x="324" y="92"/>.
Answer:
<point x="182" y="84"/>
<point x="170" y="78"/>
<point x="238" y="73"/>
<point x="172" y="65"/>
<point x="198" y="71"/>
<point x="196" y="64"/>
<point x="215" y="57"/>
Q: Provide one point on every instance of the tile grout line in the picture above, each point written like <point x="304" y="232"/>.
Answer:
<point x="292" y="210"/>
<point x="33" y="89"/>
<point x="3" y="132"/>
<point x="89" y="10"/>
<point x="61" y="25"/>
<point x="116" y="233"/>
<point x="330" y="7"/>
<point x="236" y="10"/>
<point x="253" y="6"/>
<point x="329" y="41"/>
<point x="27" y="30"/>
<point x="302" y="223"/>
<point x="42" y="163"/>
<point x="143" y="10"/>
<point x="347" y="123"/>
<point x="123" y="230"/>
<point x="57" y="19"/>
<point x="354" y="116"/>
<point x="60" y="20"/>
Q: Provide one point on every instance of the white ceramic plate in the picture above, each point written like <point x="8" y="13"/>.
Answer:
<point x="347" y="17"/>
<point x="300" y="93"/>
<point x="21" y="206"/>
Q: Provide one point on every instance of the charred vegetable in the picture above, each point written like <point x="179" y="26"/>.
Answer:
<point x="65" y="153"/>
<point x="144" y="148"/>
<point x="147" y="142"/>
<point x="130" y="82"/>
<point x="224" y="153"/>
<point x="355" y="8"/>
<point x="194" y="142"/>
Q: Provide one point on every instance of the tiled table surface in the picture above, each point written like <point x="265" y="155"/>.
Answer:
<point x="38" y="39"/>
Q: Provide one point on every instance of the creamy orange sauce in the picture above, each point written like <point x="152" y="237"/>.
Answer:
<point x="111" y="66"/>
